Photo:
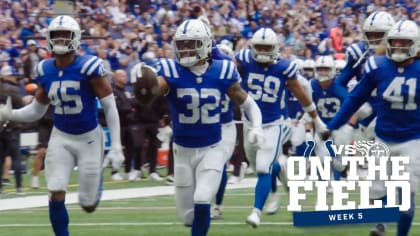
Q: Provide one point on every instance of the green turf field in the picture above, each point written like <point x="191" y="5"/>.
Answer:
<point x="156" y="216"/>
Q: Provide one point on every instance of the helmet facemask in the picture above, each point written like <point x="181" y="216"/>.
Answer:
<point x="400" y="50"/>
<point x="374" y="38"/>
<point x="308" y="72"/>
<point x="264" y="53"/>
<point x="324" y="73"/>
<point x="63" y="41"/>
<point x="190" y="51"/>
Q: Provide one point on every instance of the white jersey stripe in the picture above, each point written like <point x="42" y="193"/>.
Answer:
<point x="40" y="68"/>
<point x="173" y="68"/>
<point x="222" y="74"/>
<point x="87" y="64"/>
<point x="289" y="68"/>
<point x="92" y="68"/>
<point x="165" y="67"/>
<point x="231" y="69"/>
<point x="358" y="51"/>
<point x="373" y="63"/>
<point x="247" y="56"/>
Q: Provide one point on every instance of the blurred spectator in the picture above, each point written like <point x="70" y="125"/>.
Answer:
<point x="125" y="111"/>
<point x="29" y="59"/>
<point x="10" y="131"/>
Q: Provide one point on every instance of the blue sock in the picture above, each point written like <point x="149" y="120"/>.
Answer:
<point x="221" y="191"/>
<point x="262" y="189"/>
<point x="59" y="218"/>
<point x="336" y="174"/>
<point x="201" y="223"/>
<point x="406" y="217"/>
<point x="275" y="171"/>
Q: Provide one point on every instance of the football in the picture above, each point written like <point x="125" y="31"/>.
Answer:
<point x="146" y="86"/>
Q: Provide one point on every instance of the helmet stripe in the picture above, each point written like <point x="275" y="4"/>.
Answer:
<point x="61" y="20"/>
<point x="373" y="17"/>
<point x="399" y="26"/>
<point x="263" y="36"/>
<point x="185" y="27"/>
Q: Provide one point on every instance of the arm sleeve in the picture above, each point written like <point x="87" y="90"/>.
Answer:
<point x="252" y="112"/>
<point x="352" y="103"/>
<point x="32" y="112"/>
<point x="112" y="120"/>
<point x="345" y="76"/>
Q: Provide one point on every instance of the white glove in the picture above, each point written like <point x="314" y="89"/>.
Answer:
<point x="344" y="135"/>
<point x="255" y="137"/>
<point x="115" y="157"/>
<point x="6" y="110"/>
<point x="320" y="128"/>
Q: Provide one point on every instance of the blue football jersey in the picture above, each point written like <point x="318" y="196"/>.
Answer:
<point x="295" y="110"/>
<point x="195" y="101"/>
<point x="267" y="86"/>
<point x="354" y="53"/>
<point x="70" y="92"/>
<point x="397" y="90"/>
<point x="327" y="101"/>
<point x="227" y="106"/>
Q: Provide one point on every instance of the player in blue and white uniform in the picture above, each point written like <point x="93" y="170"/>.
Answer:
<point x="223" y="52"/>
<point x="294" y="142"/>
<point x="328" y="98"/>
<point x="194" y="87"/>
<point x="396" y="77"/>
<point x="266" y="78"/>
<point x="308" y="69"/>
<point x="375" y="28"/>
<point x="71" y="83"/>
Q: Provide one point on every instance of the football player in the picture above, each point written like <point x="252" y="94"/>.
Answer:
<point x="328" y="98"/>
<point x="375" y="27"/>
<point x="308" y="69"/>
<point x="396" y="80"/>
<point x="294" y="143"/>
<point x="223" y="52"/>
<point x="265" y="78"/>
<point x="194" y="87"/>
<point x="71" y="83"/>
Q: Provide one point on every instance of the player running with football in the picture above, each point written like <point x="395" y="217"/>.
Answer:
<point x="194" y="86"/>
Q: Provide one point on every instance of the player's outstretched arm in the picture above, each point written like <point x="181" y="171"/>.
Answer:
<point x="251" y="110"/>
<point x="29" y="113"/>
<point x="307" y="104"/>
<point x="103" y="90"/>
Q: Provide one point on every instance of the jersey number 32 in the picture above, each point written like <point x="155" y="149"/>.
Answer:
<point x="196" y="108"/>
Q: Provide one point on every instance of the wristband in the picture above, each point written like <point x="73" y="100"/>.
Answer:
<point x="309" y="108"/>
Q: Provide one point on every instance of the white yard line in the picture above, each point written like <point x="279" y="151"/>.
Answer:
<point x="136" y="224"/>
<point x="117" y="194"/>
<point x="148" y="224"/>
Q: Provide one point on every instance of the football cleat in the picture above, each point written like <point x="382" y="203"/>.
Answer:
<point x="254" y="218"/>
<point x="216" y="213"/>
<point x="273" y="204"/>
